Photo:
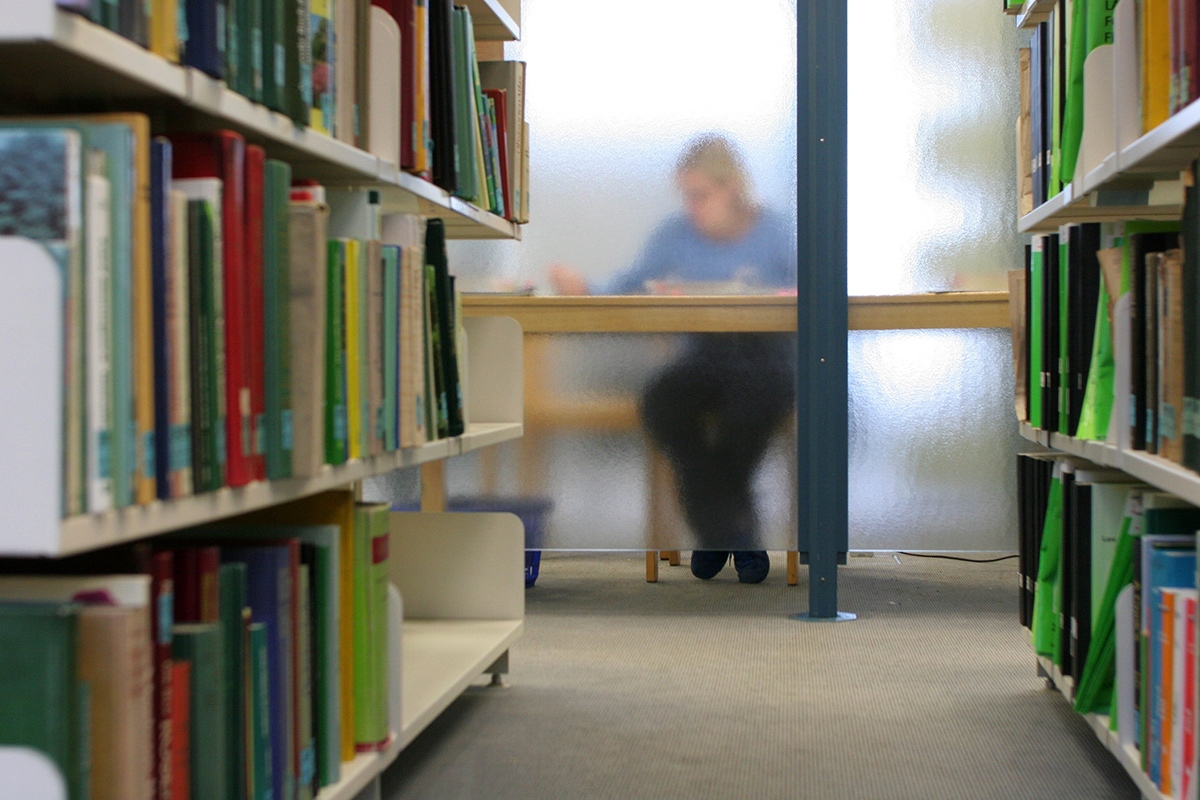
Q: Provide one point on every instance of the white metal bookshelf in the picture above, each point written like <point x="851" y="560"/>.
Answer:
<point x="1069" y="206"/>
<point x="1034" y="12"/>
<point x="1099" y="723"/>
<point x="461" y="575"/>
<point x="78" y="61"/>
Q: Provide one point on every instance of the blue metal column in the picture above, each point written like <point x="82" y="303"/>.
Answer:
<point x="822" y="347"/>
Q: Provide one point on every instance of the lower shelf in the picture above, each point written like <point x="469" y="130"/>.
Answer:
<point x="441" y="658"/>
<point x="1127" y="757"/>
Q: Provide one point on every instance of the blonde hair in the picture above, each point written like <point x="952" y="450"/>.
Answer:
<point x="716" y="157"/>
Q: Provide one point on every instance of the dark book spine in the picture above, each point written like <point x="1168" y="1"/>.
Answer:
<point x="1081" y="604"/>
<point x="1191" y="313"/>
<point x="1089" y="268"/>
<point x="1050" y="333"/>
<point x="1066" y="584"/>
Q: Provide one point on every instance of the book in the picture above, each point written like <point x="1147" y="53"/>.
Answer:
<point x="43" y="704"/>
<point x="181" y="722"/>
<point x="443" y="293"/>
<point x="336" y="423"/>
<point x="1171" y="356"/>
<point x="260" y="713"/>
<point x="308" y="281"/>
<point x="372" y="317"/>
<point x="354" y="296"/>
<point x="278" y="423"/>
<point x="443" y="120"/>
<point x="389" y="422"/>
<point x="98" y="322"/>
<point x="178" y="333"/>
<point x="270" y="595"/>
<point x="498" y="113"/>
<point x="254" y="424"/>
<point x="115" y="662"/>
<point x="222" y="155"/>
<point x="197" y="591"/>
<point x="275" y="24"/>
<point x="466" y="117"/>
<point x="1156" y="63"/>
<point x="509" y="77"/>
<point x="234" y="616"/>
<point x="370" y="626"/>
<point x="200" y="644"/>
<point x="206" y="36"/>
<point x="306" y="780"/>
<point x="325" y="65"/>
<point x="164" y="30"/>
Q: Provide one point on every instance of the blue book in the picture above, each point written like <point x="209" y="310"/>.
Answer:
<point x="270" y="596"/>
<point x="160" y="226"/>
<point x="204" y="48"/>
<point x="1168" y="565"/>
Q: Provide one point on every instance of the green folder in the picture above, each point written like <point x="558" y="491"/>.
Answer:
<point x="1035" y="333"/>
<point x="1098" y="393"/>
<point x="1046" y="599"/>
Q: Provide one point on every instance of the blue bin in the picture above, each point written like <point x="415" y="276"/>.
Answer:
<point x="532" y="512"/>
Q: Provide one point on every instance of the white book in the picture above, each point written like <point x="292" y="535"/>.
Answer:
<point x="210" y="190"/>
<point x="180" y="358"/>
<point x="98" y="311"/>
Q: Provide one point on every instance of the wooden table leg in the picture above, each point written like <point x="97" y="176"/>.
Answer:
<point x="673" y="557"/>
<point x="433" y="486"/>
<point x="651" y="566"/>
<point x="793" y="567"/>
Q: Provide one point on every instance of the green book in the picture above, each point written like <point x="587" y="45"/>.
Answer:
<point x="464" y="110"/>
<point x="364" y="363"/>
<point x="1046" y="599"/>
<point x="274" y="54"/>
<point x="207" y="424"/>
<point x="42" y="704"/>
<point x="335" y="356"/>
<point x="307" y="777"/>
<point x="276" y="318"/>
<point x="234" y="614"/>
<point x="260" y="714"/>
<point x="202" y="645"/>
<point x="389" y="423"/>
<point x="297" y="41"/>
<point x="370" y="625"/>
<point x="249" y="48"/>
<point x="1036" y="315"/>
<point x="235" y="17"/>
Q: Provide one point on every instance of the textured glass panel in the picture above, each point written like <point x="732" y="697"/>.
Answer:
<point x="933" y="102"/>
<point x="932" y="440"/>
<point x="613" y="94"/>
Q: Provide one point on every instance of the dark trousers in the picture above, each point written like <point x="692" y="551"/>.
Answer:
<point x="713" y="412"/>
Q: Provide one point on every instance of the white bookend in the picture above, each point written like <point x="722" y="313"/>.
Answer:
<point x="1099" y="138"/>
<point x="29" y="775"/>
<point x="1127" y="76"/>
<point x="31" y="328"/>
<point x="384" y="122"/>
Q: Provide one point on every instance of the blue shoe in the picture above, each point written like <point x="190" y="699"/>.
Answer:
<point x="707" y="563"/>
<point x="752" y="565"/>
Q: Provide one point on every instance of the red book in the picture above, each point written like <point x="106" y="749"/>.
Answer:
<point x="223" y="155"/>
<point x="197" y="591"/>
<point x="256" y="160"/>
<point x="181" y="718"/>
<point x="500" y="98"/>
<point x="159" y="565"/>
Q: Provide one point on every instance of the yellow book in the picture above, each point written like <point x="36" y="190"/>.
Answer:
<point x="1156" y="63"/>
<point x="164" y="29"/>
<point x="353" y="348"/>
<point x="334" y="507"/>
<point x="421" y="103"/>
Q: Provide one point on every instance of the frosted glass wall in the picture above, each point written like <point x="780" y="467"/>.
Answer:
<point x="932" y="109"/>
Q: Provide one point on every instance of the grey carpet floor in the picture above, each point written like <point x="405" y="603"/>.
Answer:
<point x="687" y="689"/>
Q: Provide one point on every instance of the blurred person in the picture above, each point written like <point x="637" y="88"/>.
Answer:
<point x="714" y="410"/>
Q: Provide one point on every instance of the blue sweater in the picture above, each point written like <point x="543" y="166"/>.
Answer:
<point x="765" y="256"/>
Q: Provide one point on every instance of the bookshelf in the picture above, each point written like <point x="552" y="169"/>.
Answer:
<point x="1070" y="206"/>
<point x="1033" y="12"/>
<point x="1099" y="723"/>
<point x="460" y="575"/>
<point x="78" y="61"/>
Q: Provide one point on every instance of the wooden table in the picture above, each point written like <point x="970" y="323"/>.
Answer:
<point x="543" y="317"/>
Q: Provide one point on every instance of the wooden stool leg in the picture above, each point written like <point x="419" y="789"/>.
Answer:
<point x="673" y="557"/>
<point x="793" y="567"/>
<point x="651" y="566"/>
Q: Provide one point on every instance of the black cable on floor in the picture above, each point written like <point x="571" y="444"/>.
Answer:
<point x="958" y="558"/>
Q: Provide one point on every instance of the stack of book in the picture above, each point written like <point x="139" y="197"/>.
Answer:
<point x="221" y="325"/>
<point x="400" y="78"/>
<point x="1139" y="66"/>
<point x="1114" y="604"/>
<point x="1106" y="341"/>
<point x="245" y="660"/>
